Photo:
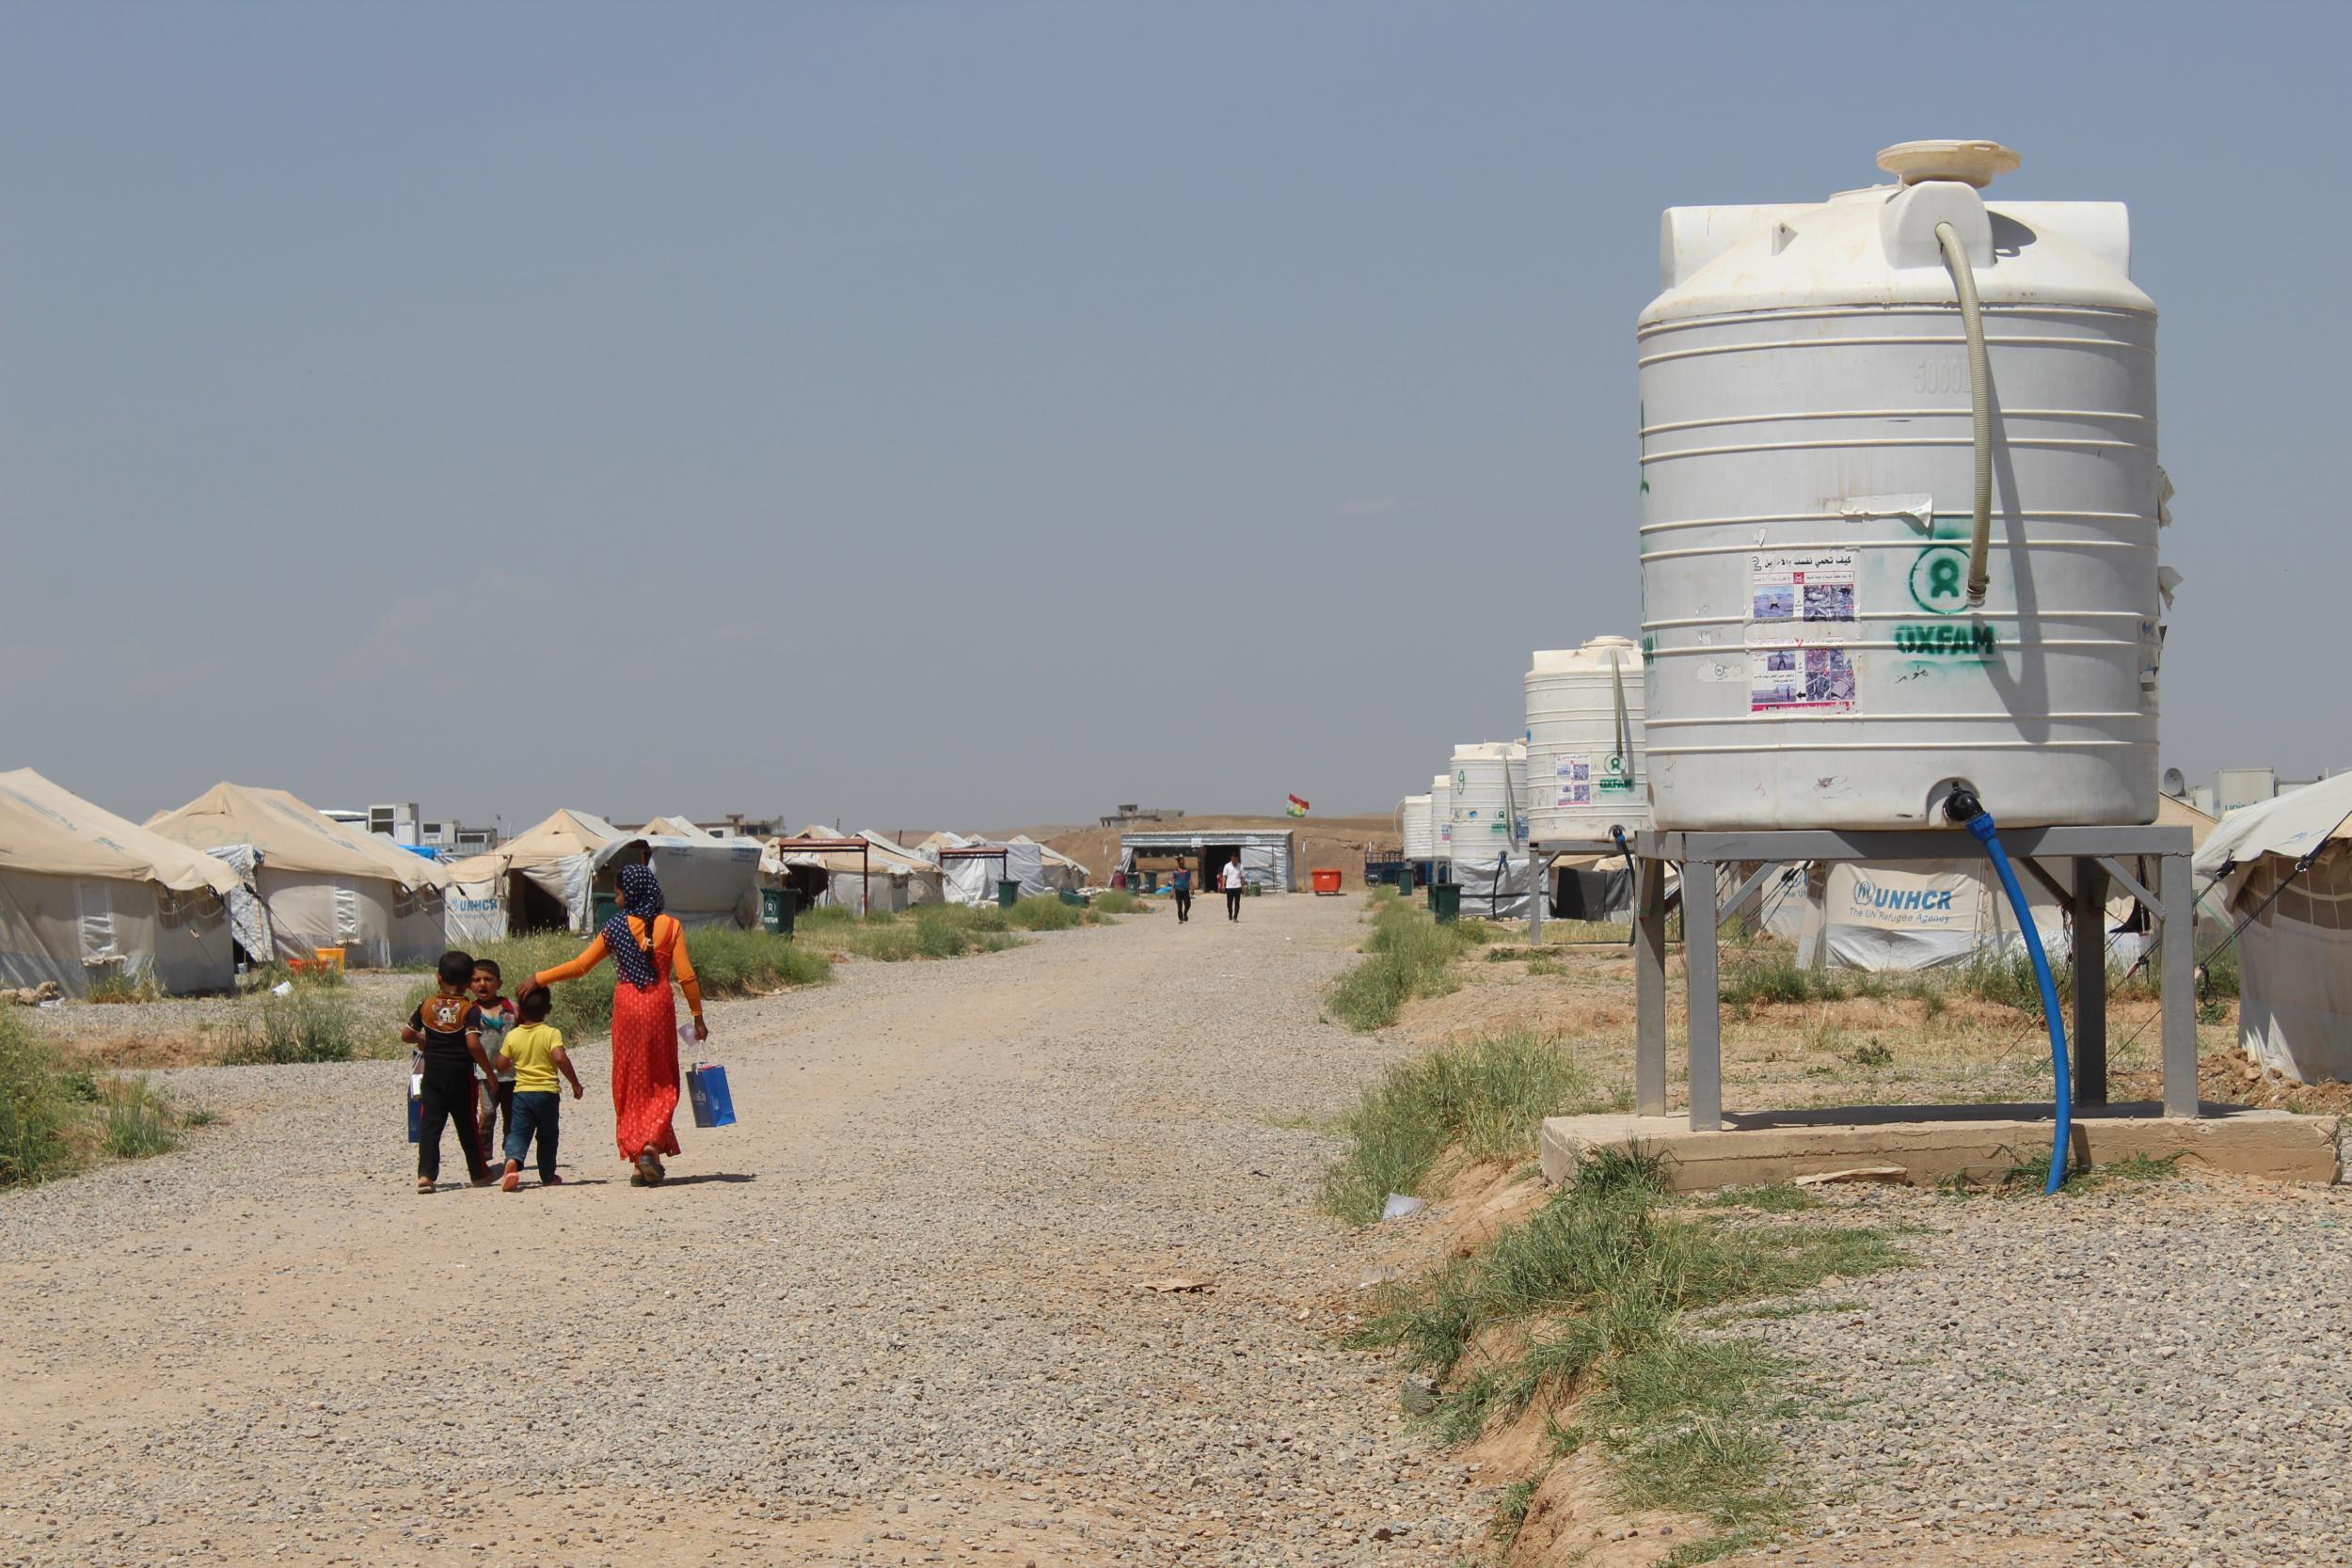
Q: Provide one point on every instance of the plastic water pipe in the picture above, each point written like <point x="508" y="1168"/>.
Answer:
<point x="1964" y="808"/>
<point x="1980" y="409"/>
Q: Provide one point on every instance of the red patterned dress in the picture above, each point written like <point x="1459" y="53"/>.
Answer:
<point x="644" y="1036"/>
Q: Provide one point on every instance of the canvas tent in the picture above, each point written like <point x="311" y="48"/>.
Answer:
<point x="324" y="886"/>
<point x="897" y="879"/>
<point x="970" y="873"/>
<point x="675" y="827"/>
<point x="544" y="877"/>
<point x="2284" y="868"/>
<point x="548" y="875"/>
<point x="706" y="881"/>
<point x="1056" y="871"/>
<point x="85" y="895"/>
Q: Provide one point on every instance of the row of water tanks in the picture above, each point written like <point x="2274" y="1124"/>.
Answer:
<point x="1900" y="509"/>
<point x="1577" y="776"/>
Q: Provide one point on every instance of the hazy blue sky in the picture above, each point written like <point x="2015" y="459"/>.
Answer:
<point x="981" y="414"/>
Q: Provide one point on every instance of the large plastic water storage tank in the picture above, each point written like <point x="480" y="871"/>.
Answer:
<point x="1809" y="462"/>
<point x="1413" y="827"/>
<point x="1584" y="748"/>
<point x="1441" y="814"/>
<point x="1489" y="800"/>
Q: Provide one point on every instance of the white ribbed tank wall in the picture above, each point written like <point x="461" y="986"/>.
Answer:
<point x="1806" y="485"/>
<point x="1441" y="814"/>
<point x="1419" y="839"/>
<point x="1585" y="743"/>
<point x="1488" y="799"/>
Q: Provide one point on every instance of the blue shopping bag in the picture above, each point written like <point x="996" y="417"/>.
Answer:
<point x="707" y="1087"/>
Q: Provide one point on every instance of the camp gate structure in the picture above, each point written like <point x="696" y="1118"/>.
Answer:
<point x="2098" y="853"/>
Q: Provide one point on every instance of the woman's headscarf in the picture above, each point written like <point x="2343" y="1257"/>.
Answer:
<point x="641" y="895"/>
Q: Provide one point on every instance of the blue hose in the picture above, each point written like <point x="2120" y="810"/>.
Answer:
<point x="1980" y="823"/>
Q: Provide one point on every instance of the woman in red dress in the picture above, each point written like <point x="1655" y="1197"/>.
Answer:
<point x="648" y="948"/>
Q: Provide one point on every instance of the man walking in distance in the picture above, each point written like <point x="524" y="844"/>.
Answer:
<point x="1230" y="880"/>
<point x="1180" y="883"/>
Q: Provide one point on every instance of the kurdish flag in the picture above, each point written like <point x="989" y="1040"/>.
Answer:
<point x="1296" y="807"/>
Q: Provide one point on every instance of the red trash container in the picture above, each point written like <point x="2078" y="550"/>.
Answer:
<point x="1327" y="879"/>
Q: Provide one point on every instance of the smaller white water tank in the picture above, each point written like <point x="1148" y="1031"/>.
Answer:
<point x="1489" y="800"/>
<point x="1442" y="816"/>
<point x="1584" y="751"/>
<point x="1420" y="839"/>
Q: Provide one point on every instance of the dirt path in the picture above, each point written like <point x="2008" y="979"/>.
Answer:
<point x="892" y="1317"/>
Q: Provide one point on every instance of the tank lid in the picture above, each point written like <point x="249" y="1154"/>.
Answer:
<point x="1971" y="163"/>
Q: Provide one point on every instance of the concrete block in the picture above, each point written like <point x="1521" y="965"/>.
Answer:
<point x="1935" y="1143"/>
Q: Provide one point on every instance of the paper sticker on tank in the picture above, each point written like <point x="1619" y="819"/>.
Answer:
<point x="1576" y="781"/>
<point x="1802" y="596"/>
<point x="1792" y="679"/>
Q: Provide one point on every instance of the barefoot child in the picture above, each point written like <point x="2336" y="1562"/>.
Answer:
<point x="497" y="1016"/>
<point x="447" y="1030"/>
<point x="534" y="1053"/>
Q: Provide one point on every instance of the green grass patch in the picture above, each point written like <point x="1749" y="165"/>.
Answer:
<point x="38" y="1108"/>
<point x="1408" y="955"/>
<point x="1119" y="901"/>
<point x="926" y="931"/>
<point x="1599" y="1286"/>
<point x="1489" y="1098"/>
<point x="55" y="1120"/>
<point x="306" y="1026"/>
<point x="115" y="985"/>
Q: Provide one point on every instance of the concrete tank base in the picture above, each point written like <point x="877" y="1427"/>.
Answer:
<point x="1933" y="1144"/>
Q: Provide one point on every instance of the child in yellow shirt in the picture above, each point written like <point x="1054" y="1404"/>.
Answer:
<point x="535" y="1052"/>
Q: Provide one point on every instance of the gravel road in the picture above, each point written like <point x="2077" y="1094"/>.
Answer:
<point x="2158" y="1372"/>
<point x="891" y="1318"/>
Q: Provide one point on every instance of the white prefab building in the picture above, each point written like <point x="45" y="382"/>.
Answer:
<point x="85" y="895"/>
<point x="1269" y="856"/>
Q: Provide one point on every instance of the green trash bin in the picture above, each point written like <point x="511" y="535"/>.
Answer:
<point x="777" y="908"/>
<point x="1073" y="900"/>
<point x="603" y="907"/>
<point x="1404" y="882"/>
<point x="1008" y="894"/>
<point x="1445" y="901"/>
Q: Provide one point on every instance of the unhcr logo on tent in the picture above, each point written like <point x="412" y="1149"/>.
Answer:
<point x="1869" y="895"/>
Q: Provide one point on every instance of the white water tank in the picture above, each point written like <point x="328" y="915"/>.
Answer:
<point x="1807" y="484"/>
<point x="1441" y="814"/>
<point x="1420" y="839"/>
<point x="1584" y="774"/>
<point x="1489" y="800"/>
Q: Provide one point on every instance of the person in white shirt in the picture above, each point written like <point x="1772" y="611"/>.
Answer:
<point x="1230" y="880"/>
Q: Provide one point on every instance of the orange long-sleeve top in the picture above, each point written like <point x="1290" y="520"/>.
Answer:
<point x="668" y="937"/>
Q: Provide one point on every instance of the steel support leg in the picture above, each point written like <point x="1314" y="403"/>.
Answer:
<point x="2089" y="930"/>
<point x="2178" y="957"/>
<point x="1705" y="1013"/>
<point x="1650" y="988"/>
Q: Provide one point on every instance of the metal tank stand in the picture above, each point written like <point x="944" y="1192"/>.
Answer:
<point x="1543" y="855"/>
<point x="2099" y="856"/>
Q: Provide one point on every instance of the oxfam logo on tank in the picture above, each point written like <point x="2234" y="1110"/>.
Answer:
<point x="1939" y="580"/>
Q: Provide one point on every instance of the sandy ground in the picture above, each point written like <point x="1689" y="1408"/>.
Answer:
<point x="893" y="1317"/>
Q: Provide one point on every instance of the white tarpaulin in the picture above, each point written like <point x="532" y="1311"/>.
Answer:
<point x="897" y="877"/>
<point x="85" y="894"/>
<point x="970" y="880"/>
<point x="1494" y="887"/>
<point x="248" y="916"/>
<point x="2294" y="965"/>
<point x="1930" y="913"/>
<point x="324" y="885"/>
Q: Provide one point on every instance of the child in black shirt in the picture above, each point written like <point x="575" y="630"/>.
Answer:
<point x="446" y="1028"/>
